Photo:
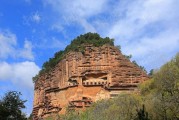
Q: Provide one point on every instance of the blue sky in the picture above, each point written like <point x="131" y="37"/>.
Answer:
<point x="31" y="31"/>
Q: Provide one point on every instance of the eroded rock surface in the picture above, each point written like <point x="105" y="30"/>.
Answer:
<point x="81" y="79"/>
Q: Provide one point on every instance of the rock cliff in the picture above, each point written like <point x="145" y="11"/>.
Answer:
<point x="80" y="79"/>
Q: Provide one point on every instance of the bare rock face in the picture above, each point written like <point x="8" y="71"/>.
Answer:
<point x="81" y="79"/>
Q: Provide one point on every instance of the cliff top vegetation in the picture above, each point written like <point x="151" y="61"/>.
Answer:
<point x="76" y="45"/>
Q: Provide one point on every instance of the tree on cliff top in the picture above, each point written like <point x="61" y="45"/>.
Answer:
<point x="76" y="45"/>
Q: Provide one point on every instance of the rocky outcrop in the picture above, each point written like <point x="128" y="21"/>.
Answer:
<point x="81" y="79"/>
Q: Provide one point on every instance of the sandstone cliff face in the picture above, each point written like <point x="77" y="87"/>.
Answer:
<point x="80" y="79"/>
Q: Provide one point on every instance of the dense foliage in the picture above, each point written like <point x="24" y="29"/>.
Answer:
<point x="76" y="45"/>
<point x="11" y="105"/>
<point x="162" y="92"/>
<point x="124" y="107"/>
<point x="159" y="100"/>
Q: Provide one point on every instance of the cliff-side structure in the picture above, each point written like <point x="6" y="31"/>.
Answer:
<point x="80" y="79"/>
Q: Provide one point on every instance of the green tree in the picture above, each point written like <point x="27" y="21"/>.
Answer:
<point x="142" y="114"/>
<point x="141" y="67"/>
<point x="167" y="92"/>
<point x="128" y="56"/>
<point x="161" y="93"/>
<point x="11" y="106"/>
<point x="151" y="72"/>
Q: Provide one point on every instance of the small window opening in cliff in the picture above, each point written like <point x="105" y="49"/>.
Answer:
<point x="121" y="81"/>
<point x="96" y="75"/>
<point x="84" y="78"/>
<point x="74" y="82"/>
<point x="104" y="78"/>
<point x="136" y="81"/>
<point x="85" y="98"/>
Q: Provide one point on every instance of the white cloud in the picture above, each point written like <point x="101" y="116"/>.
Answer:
<point x="57" y="27"/>
<point x="87" y="26"/>
<point x="139" y="14"/>
<point x="78" y="8"/>
<point x="77" y="11"/>
<point x="148" y="30"/>
<point x="26" y="52"/>
<point x="19" y="74"/>
<point x="3" y="70"/>
<point x="7" y="43"/>
<point x="36" y="17"/>
<point x="155" y="51"/>
<point x="8" y="47"/>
